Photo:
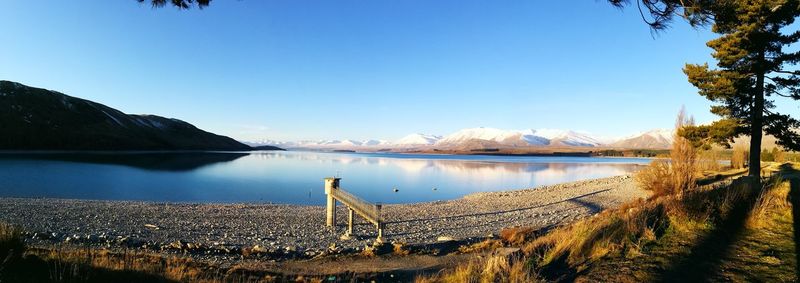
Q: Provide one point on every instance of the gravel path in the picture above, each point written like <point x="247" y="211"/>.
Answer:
<point x="300" y="230"/>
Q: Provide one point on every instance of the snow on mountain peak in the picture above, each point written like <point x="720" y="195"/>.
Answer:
<point x="375" y="143"/>
<point x="658" y="138"/>
<point x="486" y="134"/>
<point x="418" y="139"/>
<point x="568" y="137"/>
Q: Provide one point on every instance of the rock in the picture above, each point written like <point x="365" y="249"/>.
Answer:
<point x="445" y="239"/>
<point x="333" y="248"/>
<point x="377" y="249"/>
<point x="177" y="245"/>
<point x="259" y="249"/>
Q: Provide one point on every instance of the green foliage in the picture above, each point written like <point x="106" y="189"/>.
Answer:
<point x="658" y="13"/>
<point x="752" y="71"/>
<point x="180" y="4"/>
<point x="720" y="132"/>
<point x="632" y="153"/>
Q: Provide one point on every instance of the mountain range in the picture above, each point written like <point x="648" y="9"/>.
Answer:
<point x="476" y="138"/>
<point x="39" y="119"/>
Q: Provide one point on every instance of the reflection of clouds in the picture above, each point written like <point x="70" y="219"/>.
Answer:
<point x="410" y="165"/>
<point x="504" y="169"/>
<point x="467" y="170"/>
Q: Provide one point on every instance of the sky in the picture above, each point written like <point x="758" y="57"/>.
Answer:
<point x="352" y="69"/>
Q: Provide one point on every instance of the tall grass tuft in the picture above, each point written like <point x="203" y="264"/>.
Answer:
<point x="493" y="269"/>
<point x="11" y="246"/>
<point x="739" y="157"/>
<point x="709" y="160"/>
<point x="679" y="174"/>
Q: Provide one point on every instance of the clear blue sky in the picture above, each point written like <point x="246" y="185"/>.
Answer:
<point x="301" y="69"/>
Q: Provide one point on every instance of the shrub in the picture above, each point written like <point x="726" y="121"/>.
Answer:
<point x="709" y="160"/>
<point x="11" y="245"/>
<point x="680" y="173"/>
<point x="739" y="157"/>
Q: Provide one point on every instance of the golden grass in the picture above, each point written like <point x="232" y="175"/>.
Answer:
<point x="492" y="269"/>
<point x="773" y="197"/>
<point x="680" y="173"/>
<point x="517" y="235"/>
<point x="739" y="157"/>
<point x="709" y="160"/>
<point x="486" y="245"/>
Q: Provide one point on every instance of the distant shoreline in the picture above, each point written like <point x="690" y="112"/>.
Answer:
<point x="559" y="152"/>
<point x="128" y="151"/>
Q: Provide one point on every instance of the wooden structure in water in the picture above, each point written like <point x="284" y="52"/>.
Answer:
<point x="355" y="205"/>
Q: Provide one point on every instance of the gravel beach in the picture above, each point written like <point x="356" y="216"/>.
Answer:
<point x="300" y="231"/>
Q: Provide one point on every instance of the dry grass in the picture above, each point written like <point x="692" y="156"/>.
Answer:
<point x="739" y="157"/>
<point x="492" y="269"/>
<point x="483" y="246"/>
<point x="709" y="160"/>
<point x="624" y="230"/>
<point x="680" y="173"/>
<point x="773" y="197"/>
<point x="11" y="246"/>
<point x="516" y="236"/>
<point x="58" y="264"/>
<point x="625" y="234"/>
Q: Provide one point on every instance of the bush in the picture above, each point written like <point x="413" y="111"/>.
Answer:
<point x="708" y="160"/>
<point x="680" y="173"/>
<point x="739" y="157"/>
<point x="11" y="245"/>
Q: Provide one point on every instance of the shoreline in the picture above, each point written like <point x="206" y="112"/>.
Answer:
<point x="220" y="232"/>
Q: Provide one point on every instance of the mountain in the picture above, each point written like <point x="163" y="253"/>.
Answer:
<point x="568" y="138"/>
<point x="483" y="138"/>
<point x="655" y="139"/>
<point x="492" y="137"/>
<point x="417" y="140"/>
<point x="375" y="143"/>
<point x="39" y="119"/>
<point x="514" y="138"/>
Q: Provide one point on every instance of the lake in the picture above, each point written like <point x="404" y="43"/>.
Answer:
<point x="293" y="177"/>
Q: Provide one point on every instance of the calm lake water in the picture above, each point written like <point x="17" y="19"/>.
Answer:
<point x="286" y="177"/>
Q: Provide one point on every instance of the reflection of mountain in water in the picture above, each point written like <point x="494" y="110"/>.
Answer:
<point x="503" y="170"/>
<point x="156" y="161"/>
<point x="470" y="169"/>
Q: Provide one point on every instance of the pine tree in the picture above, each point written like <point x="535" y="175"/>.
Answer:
<point x="180" y="4"/>
<point x="753" y="69"/>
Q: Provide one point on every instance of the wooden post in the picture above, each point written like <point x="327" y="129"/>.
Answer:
<point x="379" y="225"/>
<point x="350" y="222"/>
<point x="331" y="184"/>
<point x="380" y="232"/>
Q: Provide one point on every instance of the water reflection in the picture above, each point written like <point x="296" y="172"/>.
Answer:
<point x="159" y="161"/>
<point x="287" y="177"/>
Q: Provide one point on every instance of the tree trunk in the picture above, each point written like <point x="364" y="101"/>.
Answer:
<point x="756" y="126"/>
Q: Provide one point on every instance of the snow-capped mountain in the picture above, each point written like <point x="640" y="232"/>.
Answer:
<point x="417" y="139"/>
<point x="322" y="144"/>
<point x="491" y="137"/>
<point x="568" y="138"/>
<point x="659" y="138"/>
<point x="375" y="143"/>
<point x="268" y="142"/>
<point x="543" y="137"/>
<point x="487" y="134"/>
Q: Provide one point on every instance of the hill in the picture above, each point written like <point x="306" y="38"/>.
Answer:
<point x="39" y="119"/>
